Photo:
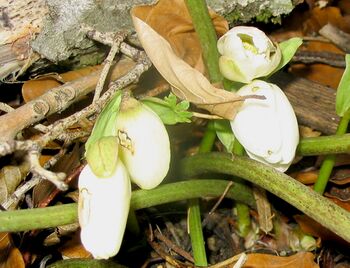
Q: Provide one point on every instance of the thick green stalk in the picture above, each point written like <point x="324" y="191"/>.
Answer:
<point x="243" y="216"/>
<point x="40" y="218"/>
<point x="334" y="144"/>
<point x="328" y="162"/>
<point x="85" y="263"/>
<point x="295" y="193"/>
<point x="133" y="224"/>
<point x="207" y="37"/>
<point x="204" y="28"/>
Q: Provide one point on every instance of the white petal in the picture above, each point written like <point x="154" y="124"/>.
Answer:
<point x="288" y="124"/>
<point x="148" y="158"/>
<point x="234" y="72"/>
<point x="255" y="57"/>
<point x="103" y="211"/>
<point x="268" y="129"/>
<point x="256" y="125"/>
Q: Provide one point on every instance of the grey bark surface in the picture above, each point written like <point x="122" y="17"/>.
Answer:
<point x="62" y="36"/>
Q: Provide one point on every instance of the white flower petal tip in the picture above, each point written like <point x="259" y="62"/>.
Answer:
<point x="103" y="209"/>
<point x="247" y="53"/>
<point x="267" y="129"/>
<point x="144" y="144"/>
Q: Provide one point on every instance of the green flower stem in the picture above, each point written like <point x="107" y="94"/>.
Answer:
<point x="196" y="232"/>
<point x="243" y="216"/>
<point x="238" y="149"/>
<point x="85" y="263"/>
<point x="334" y="144"/>
<point x="204" y="28"/>
<point x="194" y="214"/>
<point x="295" y="193"/>
<point x="132" y="224"/>
<point x="328" y="162"/>
<point x="40" y="218"/>
<point x="207" y="37"/>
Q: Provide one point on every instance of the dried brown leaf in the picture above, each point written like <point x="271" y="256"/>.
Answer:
<point x="306" y="177"/>
<point x="300" y="260"/>
<point x="341" y="177"/>
<point x="34" y="88"/>
<point x="66" y="164"/>
<point x="264" y="209"/>
<point x="312" y="227"/>
<point x="318" y="17"/>
<point x="10" y="178"/>
<point x="10" y="256"/>
<point x="166" y="32"/>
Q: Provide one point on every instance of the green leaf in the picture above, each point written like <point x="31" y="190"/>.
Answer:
<point x="101" y="149"/>
<point x="288" y="49"/>
<point x="224" y="133"/>
<point x="169" y="111"/>
<point x="342" y="102"/>
<point x="106" y="121"/>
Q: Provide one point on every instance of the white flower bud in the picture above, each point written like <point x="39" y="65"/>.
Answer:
<point x="267" y="129"/>
<point x="144" y="144"/>
<point x="103" y="209"/>
<point x="247" y="53"/>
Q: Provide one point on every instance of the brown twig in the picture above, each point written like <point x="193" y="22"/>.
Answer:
<point x="54" y="193"/>
<point x="118" y="39"/>
<point x="310" y="57"/>
<point x="336" y="36"/>
<point x="229" y="185"/>
<point x="231" y="261"/>
<point x="158" y="249"/>
<point x="173" y="246"/>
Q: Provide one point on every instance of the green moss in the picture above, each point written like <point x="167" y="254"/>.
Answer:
<point x="266" y="16"/>
<point x="233" y="16"/>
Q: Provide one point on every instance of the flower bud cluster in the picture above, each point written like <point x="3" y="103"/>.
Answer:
<point x="268" y="128"/>
<point x="140" y="153"/>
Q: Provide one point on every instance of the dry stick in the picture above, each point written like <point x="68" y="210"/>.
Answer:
<point x="228" y="262"/>
<point x="173" y="246"/>
<point x="37" y="169"/>
<point x="206" y="116"/>
<point x="336" y="36"/>
<point x="59" y="126"/>
<point x="20" y="191"/>
<point x="118" y="39"/>
<point x="55" y="100"/>
<point x="5" y="107"/>
<point x="310" y="57"/>
<point x="221" y="197"/>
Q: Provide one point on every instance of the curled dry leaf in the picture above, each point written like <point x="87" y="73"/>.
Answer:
<point x="34" y="88"/>
<point x="166" y="33"/>
<point x="10" y="178"/>
<point x="301" y="260"/>
<point x="10" y="256"/>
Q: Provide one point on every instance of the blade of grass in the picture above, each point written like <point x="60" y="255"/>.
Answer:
<point x="329" y="161"/>
<point x="207" y="37"/>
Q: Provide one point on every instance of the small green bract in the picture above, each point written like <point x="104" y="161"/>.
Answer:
<point x="169" y="110"/>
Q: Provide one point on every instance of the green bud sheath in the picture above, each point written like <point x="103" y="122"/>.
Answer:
<point x="102" y="156"/>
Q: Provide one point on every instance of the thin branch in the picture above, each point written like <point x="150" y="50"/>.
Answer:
<point x="59" y="126"/>
<point x="5" y="107"/>
<point x="20" y="191"/>
<point x="221" y="197"/>
<point x="118" y="39"/>
<point x="206" y="116"/>
<point x="37" y="169"/>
